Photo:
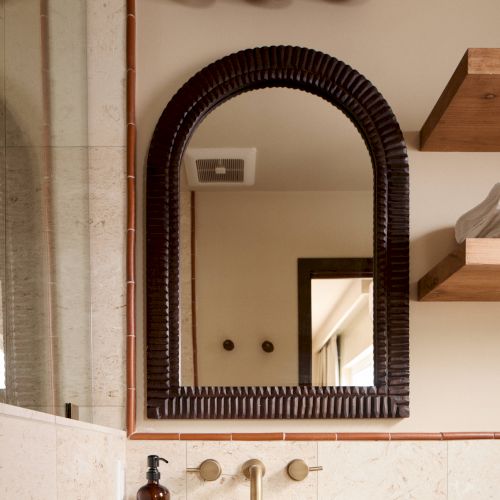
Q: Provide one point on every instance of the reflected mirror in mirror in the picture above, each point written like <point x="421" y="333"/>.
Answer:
<point x="342" y="331"/>
<point x="243" y="229"/>
<point x="336" y="322"/>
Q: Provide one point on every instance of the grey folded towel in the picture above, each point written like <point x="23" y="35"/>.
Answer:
<point x="483" y="221"/>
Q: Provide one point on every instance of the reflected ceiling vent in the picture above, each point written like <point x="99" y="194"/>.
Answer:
<point x="218" y="167"/>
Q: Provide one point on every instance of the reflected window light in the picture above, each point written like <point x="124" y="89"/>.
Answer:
<point x="359" y="371"/>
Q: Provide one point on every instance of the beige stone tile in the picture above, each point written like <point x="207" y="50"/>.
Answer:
<point x="27" y="444"/>
<point x="106" y="72"/>
<point x="173" y="474"/>
<point x="382" y="470"/>
<point x="90" y="463"/>
<point x="2" y="74"/>
<point x="474" y="470"/>
<point x="23" y="81"/>
<point x="109" y="416"/>
<point x="108" y="287"/>
<point x="68" y="72"/>
<point x="70" y="219"/>
<point x="232" y="455"/>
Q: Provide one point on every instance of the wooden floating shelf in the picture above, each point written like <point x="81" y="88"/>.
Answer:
<point x="467" y="115"/>
<point x="470" y="273"/>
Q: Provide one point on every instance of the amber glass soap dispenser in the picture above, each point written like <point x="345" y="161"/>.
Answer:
<point x="153" y="490"/>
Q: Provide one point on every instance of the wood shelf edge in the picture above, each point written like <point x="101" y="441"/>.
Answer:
<point x="470" y="273"/>
<point x="461" y="119"/>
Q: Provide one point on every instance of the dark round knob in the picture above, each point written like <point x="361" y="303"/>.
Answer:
<point x="267" y="346"/>
<point x="228" y="345"/>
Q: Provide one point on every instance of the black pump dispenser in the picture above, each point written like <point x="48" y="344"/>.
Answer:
<point x="153" y="474"/>
<point x="153" y="490"/>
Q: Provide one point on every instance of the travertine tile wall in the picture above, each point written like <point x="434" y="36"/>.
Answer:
<point x="106" y="21"/>
<point x="421" y="470"/>
<point x="45" y="457"/>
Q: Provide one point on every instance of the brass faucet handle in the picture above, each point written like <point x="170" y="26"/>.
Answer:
<point x="210" y="470"/>
<point x="298" y="470"/>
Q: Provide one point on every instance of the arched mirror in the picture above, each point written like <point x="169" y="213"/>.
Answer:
<point x="277" y="244"/>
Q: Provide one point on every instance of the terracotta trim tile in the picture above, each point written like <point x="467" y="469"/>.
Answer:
<point x="130" y="413"/>
<point x="416" y="436"/>
<point x="130" y="341"/>
<point x="205" y="437"/>
<point x="131" y="96"/>
<point x="298" y="436"/>
<point x="151" y="436"/>
<point x="268" y="436"/>
<point x="363" y="436"/>
<point x="131" y="7"/>
<point x="131" y="33"/>
<point x="131" y="149"/>
<point x="451" y="436"/>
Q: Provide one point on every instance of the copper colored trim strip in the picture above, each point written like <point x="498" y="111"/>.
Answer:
<point x="151" y="436"/>
<point x="205" y="437"/>
<point x="131" y="375"/>
<point x="131" y="41"/>
<point x="130" y="414"/>
<point x="131" y="8"/>
<point x="131" y="221"/>
<point x="130" y="96"/>
<point x="304" y="436"/>
<point x="193" y="287"/>
<point x="266" y="436"/>
<point x="452" y="436"/>
<point x="363" y="436"/>
<point x="419" y="436"/>
<point x="333" y="436"/>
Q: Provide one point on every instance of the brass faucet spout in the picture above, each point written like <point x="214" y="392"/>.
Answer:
<point x="254" y="470"/>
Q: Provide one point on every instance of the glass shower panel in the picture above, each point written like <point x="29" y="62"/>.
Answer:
<point x="45" y="327"/>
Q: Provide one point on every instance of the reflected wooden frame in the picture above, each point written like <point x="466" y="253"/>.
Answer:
<point x="359" y="100"/>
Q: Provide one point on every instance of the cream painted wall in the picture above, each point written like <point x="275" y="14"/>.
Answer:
<point x="247" y="246"/>
<point x="454" y="347"/>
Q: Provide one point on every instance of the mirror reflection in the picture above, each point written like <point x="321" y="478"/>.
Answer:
<point x="271" y="177"/>
<point x="342" y="331"/>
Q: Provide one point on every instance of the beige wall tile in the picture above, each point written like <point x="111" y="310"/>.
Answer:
<point x="109" y="416"/>
<point x="2" y="74"/>
<point x="23" y="82"/>
<point x="107" y="180"/>
<point x="173" y="475"/>
<point x="68" y="72"/>
<point x="382" y="470"/>
<point x="70" y="217"/>
<point x="106" y="72"/>
<point x="29" y="445"/>
<point x="232" y="484"/>
<point x="473" y="470"/>
<point x="90" y="463"/>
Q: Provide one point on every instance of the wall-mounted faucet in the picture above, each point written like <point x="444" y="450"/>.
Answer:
<point x="254" y="470"/>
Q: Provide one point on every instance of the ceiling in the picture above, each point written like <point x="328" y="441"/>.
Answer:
<point x="303" y="143"/>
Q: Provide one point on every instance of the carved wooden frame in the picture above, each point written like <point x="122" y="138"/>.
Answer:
<point x="359" y="100"/>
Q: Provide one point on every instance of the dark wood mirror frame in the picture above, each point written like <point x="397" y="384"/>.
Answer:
<point x="359" y="100"/>
<point x="317" y="268"/>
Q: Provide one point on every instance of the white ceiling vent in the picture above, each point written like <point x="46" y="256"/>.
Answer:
<point x="218" y="167"/>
